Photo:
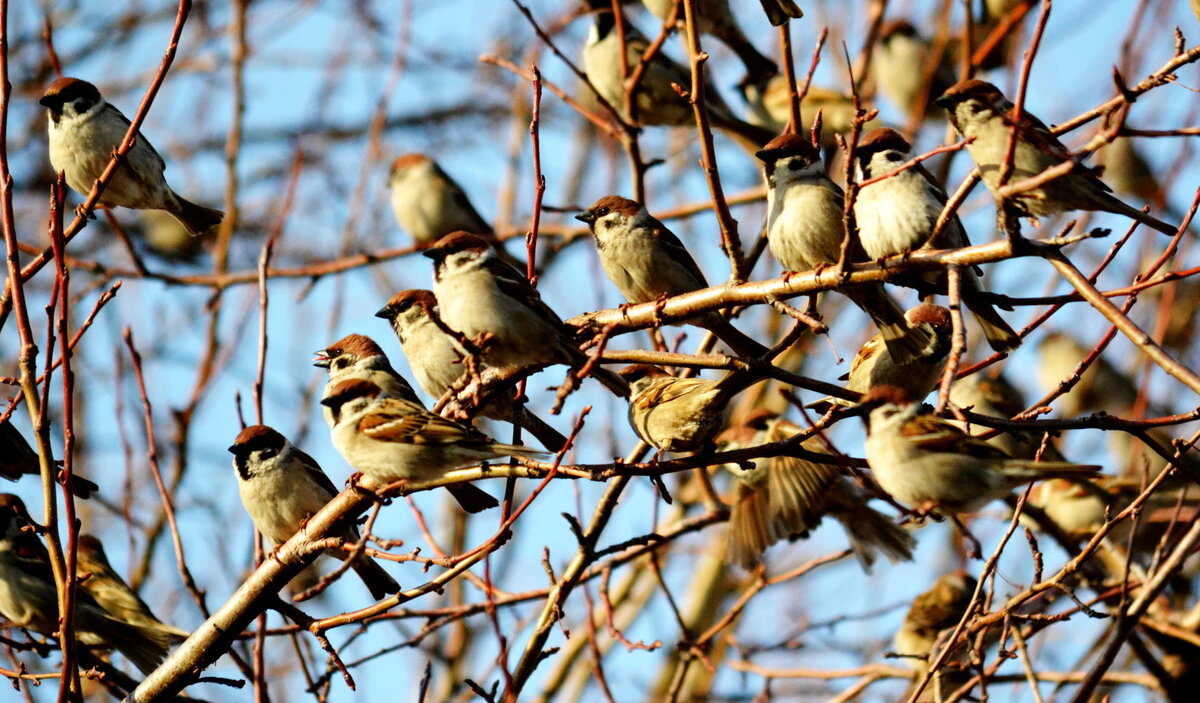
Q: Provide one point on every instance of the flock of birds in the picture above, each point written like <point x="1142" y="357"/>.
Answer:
<point x="483" y="326"/>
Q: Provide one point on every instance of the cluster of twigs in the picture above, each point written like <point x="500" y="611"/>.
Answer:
<point x="627" y="590"/>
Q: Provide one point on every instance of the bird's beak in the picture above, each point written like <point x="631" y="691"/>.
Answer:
<point x="321" y="358"/>
<point x="233" y="449"/>
<point x="586" y="216"/>
<point x="944" y="102"/>
<point x="331" y="402"/>
<point x="434" y="254"/>
<point x="384" y="312"/>
<point x="46" y="101"/>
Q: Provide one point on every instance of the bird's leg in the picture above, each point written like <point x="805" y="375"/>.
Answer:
<point x="975" y="549"/>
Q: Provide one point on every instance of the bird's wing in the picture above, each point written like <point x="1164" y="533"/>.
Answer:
<point x="401" y="422"/>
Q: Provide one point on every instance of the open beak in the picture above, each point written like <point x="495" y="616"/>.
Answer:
<point x="321" y="358"/>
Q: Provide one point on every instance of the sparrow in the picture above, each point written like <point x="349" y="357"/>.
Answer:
<point x="392" y="439"/>
<point x="784" y="497"/>
<point x="933" y="612"/>
<point x="646" y="262"/>
<point x="1102" y="388"/>
<point x="900" y="63"/>
<point x="18" y="459"/>
<point x="85" y="131"/>
<point x="992" y="394"/>
<point x="805" y="232"/>
<point x="714" y="18"/>
<point x="29" y="598"/>
<point x="680" y="414"/>
<point x="873" y="365"/>
<point x="428" y="203"/>
<point x="979" y="111"/>
<point x="107" y="587"/>
<point x="282" y="487"/>
<point x="769" y="104"/>
<point x="897" y="215"/>
<point x="930" y="464"/>
<point x="478" y="294"/>
<point x="1081" y="507"/>
<point x="656" y="101"/>
<point x="358" y="356"/>
<point x="436" y="359"/>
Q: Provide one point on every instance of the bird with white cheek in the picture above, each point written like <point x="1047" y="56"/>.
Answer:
<point x="646" y="261"/>
<point x="85" y="130"/>
<point x="282" y="487"/>
<point x="428" y="203"/>
<point x="479" y="294"/>
<point x="979" y="111"/>
<point x="393" y="440"/>
<point x="438" y="360"/>
<point x="897" y="215"/>
<point x="358" y="356"/>
<point x="929" y="464"/>
<point x="805" y="232"/>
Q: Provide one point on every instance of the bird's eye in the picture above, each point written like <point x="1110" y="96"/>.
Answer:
<point x="893" y="156"/>
<point x="602" y="212"/>
<point x="267" y="453"/>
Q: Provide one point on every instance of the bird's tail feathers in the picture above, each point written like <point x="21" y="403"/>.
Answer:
<point x="196" y="219"/>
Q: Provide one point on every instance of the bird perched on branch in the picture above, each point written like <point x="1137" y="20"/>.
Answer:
<point x="873" y="365"/>
<point x="110" y="590"/>
<point x="899" y="214"/>
<point x="786" y="497"/>
<point x="85" y="130"/>
<point x="980" y="112"/>
<point x="18" y="459"/>
<point x="680" y="414"/>
<point x="391" y="440"/>
<point x="438" y="360"/>
<point x="358" y="356"/>
<point x="929" y="464"/>
<point x="646" y="262"/>
<point x="932" y="612"/>
<point x="714" y="17"/>
<point x="655" y="101"/>
<point x="478" y="294"/>
<point x="282" y="487"/>
<point x="428" y="203"/>
<point x="902" y="68"/>
<point x="805" y="231"/>
<point x="769" y="102"/>
<point x="29" y="597"/>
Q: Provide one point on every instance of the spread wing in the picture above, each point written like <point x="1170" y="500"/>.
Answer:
<point x="401" y="422"/>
